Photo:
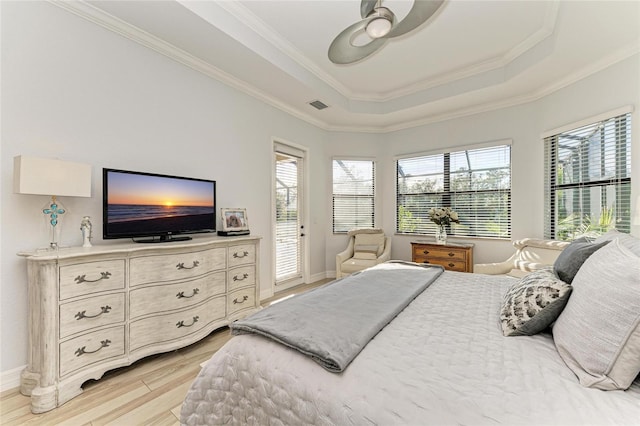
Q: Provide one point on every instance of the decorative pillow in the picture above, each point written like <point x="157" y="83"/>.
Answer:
<point x="367" y="245"/>
<point x="533" y="303"/>
<point x="366" y="253"/>
<point x="625" y="240"/>
<point x="598" y="333"/>
<point x="573" y="256"/>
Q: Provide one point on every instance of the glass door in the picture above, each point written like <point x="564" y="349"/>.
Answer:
<point x="289" y="230"/>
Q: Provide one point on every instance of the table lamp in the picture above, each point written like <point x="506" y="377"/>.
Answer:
<point x="56" y="178"/>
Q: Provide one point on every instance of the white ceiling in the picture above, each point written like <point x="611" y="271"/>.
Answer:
<point x="472" y="56"/>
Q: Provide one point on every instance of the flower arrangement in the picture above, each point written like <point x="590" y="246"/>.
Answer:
<point x="443" y="216"/>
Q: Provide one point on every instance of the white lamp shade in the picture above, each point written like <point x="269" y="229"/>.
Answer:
<point x="46" y="176"/>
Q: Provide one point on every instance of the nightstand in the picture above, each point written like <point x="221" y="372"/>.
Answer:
<point x="454" y="257"/>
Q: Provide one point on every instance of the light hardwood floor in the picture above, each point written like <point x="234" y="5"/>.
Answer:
<point x="149" y="392"/>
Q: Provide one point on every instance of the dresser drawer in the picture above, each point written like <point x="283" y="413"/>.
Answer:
<point x="163" y="268"/>
<point x="448" y="264"/>
<point x="241" y="299"/>
<point x="244" y="254"/>
<point x="173" y="326"/>
<point x="91" y="277"/>
<point x="440" y="253"/>
<point x="169" y="297"/>
<point x="91" y="348"/>
<point x="453" y="257"/>
<point x="85" y="314"/>
<point x="241" y="277"/>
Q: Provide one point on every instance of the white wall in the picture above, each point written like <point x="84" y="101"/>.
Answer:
<point x="73" y="90"/>
<point x="616" y="86"/>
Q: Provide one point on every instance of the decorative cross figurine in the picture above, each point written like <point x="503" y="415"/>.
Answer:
<point x="53" y="211"/>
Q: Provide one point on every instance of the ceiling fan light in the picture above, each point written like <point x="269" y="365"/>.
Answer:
<point x="381" y="22"/>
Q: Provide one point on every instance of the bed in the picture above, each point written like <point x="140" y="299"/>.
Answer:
<point x="442" y="360"/>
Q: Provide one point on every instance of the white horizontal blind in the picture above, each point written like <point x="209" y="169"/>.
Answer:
<point x="588" y="179"/>
<point x="288" y="245"/>
<point x="475" y="183"/>
<point x="353" y="194"/>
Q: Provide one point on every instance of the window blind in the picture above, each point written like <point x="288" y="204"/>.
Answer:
<point x="475" y="183"/>
<point x="288" y="244"/>
<point x="588" y="179"/>
<point x="353" y="194"/>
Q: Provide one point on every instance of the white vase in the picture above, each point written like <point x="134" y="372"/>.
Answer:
<point x="441" y="234"/>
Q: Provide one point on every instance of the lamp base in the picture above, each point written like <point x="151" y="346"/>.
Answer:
<point x="53" y="212"/>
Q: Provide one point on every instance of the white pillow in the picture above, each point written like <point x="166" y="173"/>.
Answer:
<point x="598" y="332"/>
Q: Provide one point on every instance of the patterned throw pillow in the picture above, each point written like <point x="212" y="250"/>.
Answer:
<point x="533" y="304"/>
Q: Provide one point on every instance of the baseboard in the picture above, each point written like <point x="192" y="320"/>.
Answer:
<point x="10" y="379"/>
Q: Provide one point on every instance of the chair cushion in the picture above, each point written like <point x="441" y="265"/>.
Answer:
<point x="367" y="245"/>
<point x="354" y="265"/>
<point x="598" y="332"/>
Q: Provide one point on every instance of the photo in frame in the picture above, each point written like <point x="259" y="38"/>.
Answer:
<point x="235" y="219"/>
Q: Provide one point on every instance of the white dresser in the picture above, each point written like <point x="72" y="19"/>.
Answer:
<point x="92" y="310"/>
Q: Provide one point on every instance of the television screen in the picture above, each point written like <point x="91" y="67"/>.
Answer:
<point x="137" y="204"/>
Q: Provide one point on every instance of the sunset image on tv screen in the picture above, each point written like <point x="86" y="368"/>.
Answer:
<point x="140" y="203"/>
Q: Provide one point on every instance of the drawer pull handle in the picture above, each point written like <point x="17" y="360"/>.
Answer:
<point x="451" y="254"/>
<point x="451" y="265"/>
<point x="193" y="293"/>
<point x="103" y="310"/>
<point x="425" y="251"/>
<point x="83" y="278"/>
<point x="83" y="350"/>
<point x="182" y="324"/>
<point x="181" y="265"/>
<point x="244" y="254"/>
<point x="244" y="299"/>
<point x="244" y="277"/>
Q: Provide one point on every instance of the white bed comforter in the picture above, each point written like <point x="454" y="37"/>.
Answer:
<point x="443" y="360"/>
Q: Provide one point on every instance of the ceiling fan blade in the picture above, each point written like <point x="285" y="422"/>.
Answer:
<point x="342" y="51"/>
<point x="366" y="7"/>
<point x="419" y="13"/>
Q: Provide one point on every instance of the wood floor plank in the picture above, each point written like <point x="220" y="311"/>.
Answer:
<point x="79" y="410"/>
<point x="13" y="401"/>
<point x="141" y="409"/>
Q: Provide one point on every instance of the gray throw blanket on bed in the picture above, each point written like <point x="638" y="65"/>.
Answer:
<point x="333" y="323"/>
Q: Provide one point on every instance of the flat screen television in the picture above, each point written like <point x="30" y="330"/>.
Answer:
<point x="138" y="205"/>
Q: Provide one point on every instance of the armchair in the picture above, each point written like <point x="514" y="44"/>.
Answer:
<point x="531" y="254"/>
<point x="367" y="247"/>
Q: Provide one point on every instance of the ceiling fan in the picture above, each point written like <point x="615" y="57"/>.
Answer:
<point x="380" y="24"/>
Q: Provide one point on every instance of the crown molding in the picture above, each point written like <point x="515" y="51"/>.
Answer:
<point x="257" y="25"/>
<point x="254" y="23"/>
<point x="138" y="35"/>
<point x="619" y="55"/>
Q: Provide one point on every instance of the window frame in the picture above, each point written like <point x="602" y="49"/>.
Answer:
<point x="448" y="195"/>
<point x="621" y="182"/>
<point x="372" y="196"/>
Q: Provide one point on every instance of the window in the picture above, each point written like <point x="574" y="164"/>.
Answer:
<point x="588" y="179"/>
<point x="353" y="194"/>
<point x="475" y="183"/>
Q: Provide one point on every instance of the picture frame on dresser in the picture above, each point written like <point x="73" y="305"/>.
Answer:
<point x="234" y="219"/>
